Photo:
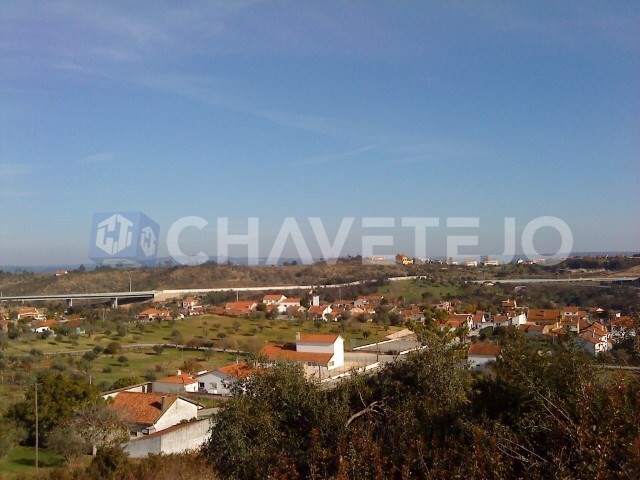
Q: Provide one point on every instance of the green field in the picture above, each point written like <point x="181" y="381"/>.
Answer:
<point x="21" y="462"/>
<point x="248" y="335"/>
<point x="238" y="334"/>
<point x="413" y="290"/>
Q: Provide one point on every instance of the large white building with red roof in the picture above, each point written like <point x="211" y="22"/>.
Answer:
<point x="312" y="350"/>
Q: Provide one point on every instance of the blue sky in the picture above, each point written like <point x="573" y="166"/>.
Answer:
<point x="328" y="109"/>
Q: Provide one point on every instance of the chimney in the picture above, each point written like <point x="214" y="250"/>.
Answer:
<point x="297" y="336"/>
<point x="315" y="301"/>
<point x="165" y="402"/>
<point x="179" y="372"/>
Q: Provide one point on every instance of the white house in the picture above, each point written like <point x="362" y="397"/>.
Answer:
<point x="189" y="303"/>
<point x="458" y="320"/>
<point x="593" y="344"/>
<point x="312" y="350"/>
<point x="321" y="311"/>
<point x="181" y="382"/>
<point x="480" y="354"/>
<point x="333" y="344"/>
<point x="501" y="321"/>
<point x="478" y="321"/>
<point x="220" y="381"/>
<point x="147" y="413"/>
<point x="273" y="299"/>
<point x="291" y="302"/>
<point x="30" y="312"/>
<point x="518" y="320"/>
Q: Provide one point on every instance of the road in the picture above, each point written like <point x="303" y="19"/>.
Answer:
<point x="165" y="294"/>
<point x="556" y="280"/>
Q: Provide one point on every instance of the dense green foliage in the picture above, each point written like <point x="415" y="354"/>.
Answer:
<point x="59" y="397"/>
<point x="537" y="416"/>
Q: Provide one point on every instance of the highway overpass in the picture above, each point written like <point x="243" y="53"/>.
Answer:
<point x="113" y="297"/>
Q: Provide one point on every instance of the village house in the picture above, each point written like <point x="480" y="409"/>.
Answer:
<point x="221" y="380"/>
<point x="480" y="354"/>
<point x="371" y="300"/>
<point x="456" y="320"/>
<point x="273" y="299"/>
<point x="501" y="321"/>
<point x="291" y="302"/>
<point x="320" y="311"/>
<point x="509" y="304"/>
<point x="593" y="344"/>
<point x="622" y="327"/>
<point x="597" y="330"/>
<point x="178" y="383"/>
<point x="573" y="314"/>
<point x="189" y="303"/>
<point x="312" y="350"/>
<point x="147" y="413"/>
<point x="402" y="259"/>
<point x="544" y="317"/>
<point x="240" y="307"/>
<point x="30" y="312"/>
<point x="43" y="326"/>
<point x="158" y="423"/>
<point x="533" y="330"/>
<point x="60" y="273"/>
<point x="479" y="321"/>
<point x="152" y="313"/>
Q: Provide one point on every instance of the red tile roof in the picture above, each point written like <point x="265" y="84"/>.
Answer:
<point x="237" y="370"/>
<point x="589" y="338"/>
<point x="318" y="338"/>
<point x="183" y="378"/>
<point x="484" y="349"/>
<point x="143" y="408"/>
<point x="273" y="297"/>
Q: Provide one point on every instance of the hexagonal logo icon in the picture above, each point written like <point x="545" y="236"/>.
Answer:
<point x="148" y="241"/>
<point x="114" y="234"/>
<point x="124" y="239"/>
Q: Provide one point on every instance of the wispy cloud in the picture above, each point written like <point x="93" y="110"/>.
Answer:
<point x="338" y="157"/>
<point x="208" y="91"/>
<point x="97" y="158"/>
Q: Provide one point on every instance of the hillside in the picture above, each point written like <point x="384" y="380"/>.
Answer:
<point x="202" y="276"/>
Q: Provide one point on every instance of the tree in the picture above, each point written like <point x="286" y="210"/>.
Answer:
<point x="113" y="348"/>
<point x="126" y="382"/>
<point x="158" y="349"/>
<point x="59" y="396"/>
<point x="11" y="433"/>
<point x="92" y="426"/>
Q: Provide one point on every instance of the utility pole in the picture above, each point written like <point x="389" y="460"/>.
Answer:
<point x="37" y="443"/>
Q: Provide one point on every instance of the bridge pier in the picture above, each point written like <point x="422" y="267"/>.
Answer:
<point x="114" y="302"/>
